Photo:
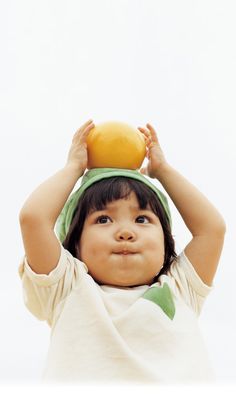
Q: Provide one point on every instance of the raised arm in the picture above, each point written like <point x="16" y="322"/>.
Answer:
<point x="201" y="218"/>
<point x="42" y="208"/>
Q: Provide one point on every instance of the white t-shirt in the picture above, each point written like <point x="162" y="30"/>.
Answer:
<point x="105" y="333"/>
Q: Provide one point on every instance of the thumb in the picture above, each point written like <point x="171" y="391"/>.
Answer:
<point x="143" y="170"/>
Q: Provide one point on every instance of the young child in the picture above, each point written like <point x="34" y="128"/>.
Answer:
<point x="122" y="305"/>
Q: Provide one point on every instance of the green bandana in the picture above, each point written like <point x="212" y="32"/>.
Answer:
<point x="91" y="177"/>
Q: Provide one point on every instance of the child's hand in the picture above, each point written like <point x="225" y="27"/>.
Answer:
<point x="154" y="154"/>
<point x="78" y="156"/>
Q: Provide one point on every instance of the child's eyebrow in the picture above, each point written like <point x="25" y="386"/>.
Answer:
<point x="114" y="209"/>
<point x="94" y="210"/>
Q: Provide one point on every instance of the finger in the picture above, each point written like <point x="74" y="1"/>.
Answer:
<point x="83" y="127"/>
<point x="149" y="141"/>
<point x="90" y="126"/>
<point x="144" y="131"/>
<point x="86" y="132"/>
<point x="150" y="127"/>
<point x="147" y="135"/>
<point x="152" y="131"/>
<point x="88" y="122"/>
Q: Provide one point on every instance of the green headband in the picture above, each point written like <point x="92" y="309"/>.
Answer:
<point x="91" y="177"/>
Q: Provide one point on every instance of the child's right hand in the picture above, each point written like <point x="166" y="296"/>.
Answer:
<point x="78" y="156"/>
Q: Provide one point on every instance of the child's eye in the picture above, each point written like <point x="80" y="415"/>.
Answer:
<point x="103" y="219"/>
<point x="142" y="219"/>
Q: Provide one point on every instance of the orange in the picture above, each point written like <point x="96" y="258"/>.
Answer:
<point x="115" y="145"/>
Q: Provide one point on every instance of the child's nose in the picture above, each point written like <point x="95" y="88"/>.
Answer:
<point x="125" y="235"/>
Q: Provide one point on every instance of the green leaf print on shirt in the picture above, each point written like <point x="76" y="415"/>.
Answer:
<point x="162" y="297"/>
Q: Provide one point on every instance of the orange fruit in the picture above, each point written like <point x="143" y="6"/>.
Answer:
<point x="115" y="145"/>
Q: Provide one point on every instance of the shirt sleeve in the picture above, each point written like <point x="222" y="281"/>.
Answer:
<point x="43" y="293"/>
<point x="188" y="283"/>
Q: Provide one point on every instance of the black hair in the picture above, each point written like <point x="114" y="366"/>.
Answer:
<point x="99" y="194"/>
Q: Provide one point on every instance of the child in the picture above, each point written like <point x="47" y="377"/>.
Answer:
<point x="122" y="305"/>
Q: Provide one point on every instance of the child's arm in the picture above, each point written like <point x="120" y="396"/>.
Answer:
<point x="201" y="218"/>
<point x="42" y="208"/>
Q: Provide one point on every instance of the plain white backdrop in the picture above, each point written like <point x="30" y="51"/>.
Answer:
<point x="170" y="63"/>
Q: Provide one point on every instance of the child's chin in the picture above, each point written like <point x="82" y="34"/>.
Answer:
<point x="123" y="282"/>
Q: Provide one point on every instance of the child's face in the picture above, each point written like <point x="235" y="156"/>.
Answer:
<point x="123" y="245"/>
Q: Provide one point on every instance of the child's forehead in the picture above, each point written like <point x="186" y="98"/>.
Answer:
<point x="131" y="202"/>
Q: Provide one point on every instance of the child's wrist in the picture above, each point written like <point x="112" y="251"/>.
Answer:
<point x="163" y="170"/>
<point x="72" y="168"/>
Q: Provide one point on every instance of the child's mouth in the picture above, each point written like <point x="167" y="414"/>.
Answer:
<point x="125" y="253"/>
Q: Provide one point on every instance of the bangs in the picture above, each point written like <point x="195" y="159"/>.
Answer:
<point x="106" y="191"/>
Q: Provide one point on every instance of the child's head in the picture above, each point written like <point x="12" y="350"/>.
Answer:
<point x="121" y="231"/>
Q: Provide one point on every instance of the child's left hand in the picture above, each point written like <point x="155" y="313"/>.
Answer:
<point x="154" y="154"/>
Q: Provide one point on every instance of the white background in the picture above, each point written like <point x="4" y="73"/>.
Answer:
<point x="170" y="63"/>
